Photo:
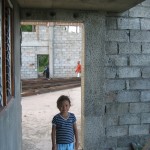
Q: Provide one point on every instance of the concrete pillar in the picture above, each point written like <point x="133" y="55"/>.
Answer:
<point x="50" y="49"/>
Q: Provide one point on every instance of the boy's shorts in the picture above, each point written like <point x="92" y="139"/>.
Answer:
<point x="65" y="146"/>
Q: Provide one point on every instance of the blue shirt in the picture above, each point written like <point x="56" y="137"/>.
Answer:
<point x="64" y="128"/>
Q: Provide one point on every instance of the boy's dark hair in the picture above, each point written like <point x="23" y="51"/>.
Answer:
<point x="61" y="99"/>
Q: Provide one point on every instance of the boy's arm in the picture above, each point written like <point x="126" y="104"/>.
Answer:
<point x="53" y="137"/>
<point x="76" y="136"/>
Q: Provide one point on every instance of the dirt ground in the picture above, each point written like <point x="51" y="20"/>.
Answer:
<point x="37" y="113"/>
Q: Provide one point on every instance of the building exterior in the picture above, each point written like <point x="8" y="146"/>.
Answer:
<point x="61" y="42"/>
<point x="115" y="78"/>
<point x="10" y="100"/>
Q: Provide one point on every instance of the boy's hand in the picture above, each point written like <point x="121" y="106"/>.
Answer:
<point x="54" y="147"/>
<point x="76" y="145"/>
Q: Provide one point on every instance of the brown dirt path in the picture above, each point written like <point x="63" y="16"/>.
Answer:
<point x="37" y="113"/>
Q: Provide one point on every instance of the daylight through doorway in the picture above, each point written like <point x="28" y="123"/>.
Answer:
<point x="59" y="47"/>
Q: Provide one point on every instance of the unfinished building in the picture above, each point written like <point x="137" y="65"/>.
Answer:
<point x="116" y="74"/>
<point x="60" y="42"/>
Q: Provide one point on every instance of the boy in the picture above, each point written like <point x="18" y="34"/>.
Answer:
<point x="64" y="128"/>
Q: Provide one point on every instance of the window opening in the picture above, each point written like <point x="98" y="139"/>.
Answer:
<point x="72" y="29"/>
<point x="7" y="52"/>
<point x="28" y="28"/>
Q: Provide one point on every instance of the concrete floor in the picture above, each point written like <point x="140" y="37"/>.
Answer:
<point x="37" y="113"/>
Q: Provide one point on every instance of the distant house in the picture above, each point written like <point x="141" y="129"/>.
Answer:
<point x="60" y="42"/>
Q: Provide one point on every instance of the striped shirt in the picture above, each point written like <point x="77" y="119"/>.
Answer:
<point x="64" y="128"/>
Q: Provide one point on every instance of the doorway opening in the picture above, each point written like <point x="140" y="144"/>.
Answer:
<point x="58" y="46"/>
<point x="42" y="63"/>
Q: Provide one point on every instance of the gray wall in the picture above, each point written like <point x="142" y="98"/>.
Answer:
<point x="116" y="75"/>
<point x="127" y="74"/>
<point x="67" y="48"/>
<point x="0" y="52"/>
<point x="10" y="117"/>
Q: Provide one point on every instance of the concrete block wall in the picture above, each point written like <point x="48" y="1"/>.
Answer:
<point x="66" y="48"/>
<point x="29" y="62"/>
<point x="115" y="79"/>
<point x="67" y="51"/>
<point x="127" y="72"/>
<point x="33" y="43"/>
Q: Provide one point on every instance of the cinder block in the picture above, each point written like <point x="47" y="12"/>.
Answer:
<point x="145" y="96"/>
<point x="138" y="129"/>
<point x="129" y="72"/>
<point x="145" y="24"/>
<point x="116" y="60"/>
<point x="126" y="141"/>
<point x="146" y="3"/>
<point x="145" y="48"/>
<point x="128" y="96"/>
<point x="113" y="85"/>
<point x="141" y="60"/>
<point x="129" y="119"/>
<point x="139" y="84"/>
<point x="129" y="48"/>
<point x="117" y="35"/>
<point x="140" y="11"/>
<point x="139" y="107"/>
<point x="139" y="36"/>
<point x="145" y="118"/>
<point x="146" y="72"/>
<point x="117" y="131"/>
<point x="116" y="108"/>
<point x="128" y="23"/>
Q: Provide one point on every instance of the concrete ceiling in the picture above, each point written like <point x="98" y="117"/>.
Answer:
<point x="102" y="5"/>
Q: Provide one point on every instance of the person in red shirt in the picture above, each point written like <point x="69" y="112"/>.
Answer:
<point x="78" y="69"/>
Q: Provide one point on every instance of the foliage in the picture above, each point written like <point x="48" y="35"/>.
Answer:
<point x="43" y="61"/>
<point x="26" y="28"/>
<point x="41" y="69"/>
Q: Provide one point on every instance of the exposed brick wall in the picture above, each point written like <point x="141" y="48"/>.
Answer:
<point x="128" y="75"/>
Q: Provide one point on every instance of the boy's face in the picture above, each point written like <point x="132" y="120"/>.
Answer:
<point x="64" y="107"/>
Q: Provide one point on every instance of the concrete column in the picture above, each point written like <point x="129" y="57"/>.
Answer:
<point x="50" y="49"/>
<point x="93" y="81"/>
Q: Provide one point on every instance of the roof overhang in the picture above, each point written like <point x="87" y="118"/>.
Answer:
<point x="102" y="5"/>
